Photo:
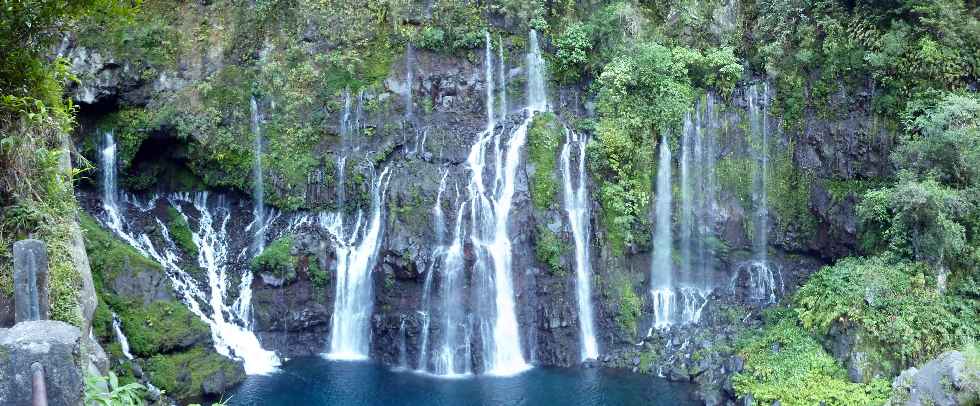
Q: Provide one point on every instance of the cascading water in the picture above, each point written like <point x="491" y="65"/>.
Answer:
<point x="409" y="81"/>
<point x="243" y="304"/>
<point x="502" y="72"/>
<point x="490" y="206"/>
<point x="577" y="208"/>
<point x="662" y="292"/>
<point x="350" y="334"/>
<point x="697" y="209"/>
<point x="120" y="337"/>
<point x="258" y="188"/>
<point x="765" y="281"/>
<point x="230" y="339"/>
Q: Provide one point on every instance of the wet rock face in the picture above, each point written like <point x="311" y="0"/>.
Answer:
<point x="53" y="344"/>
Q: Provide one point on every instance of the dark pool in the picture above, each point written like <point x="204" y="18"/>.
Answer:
<point x="317" y="381"/>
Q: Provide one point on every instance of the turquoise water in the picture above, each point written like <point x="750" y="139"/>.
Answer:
<point x="316" y="381"/>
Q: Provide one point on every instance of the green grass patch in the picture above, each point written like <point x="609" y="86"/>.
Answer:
<point x="275" y="259"/>
<point x="544" y="138"/>
<point x="181" y="233"/>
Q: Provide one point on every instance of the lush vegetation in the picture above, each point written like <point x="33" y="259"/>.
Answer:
<point x="544" y="138"/>
<point x="276" y="260"/>
<point x="36" y="184"/>
<point x="785" y="363"/>
<point x="107" y="391"/>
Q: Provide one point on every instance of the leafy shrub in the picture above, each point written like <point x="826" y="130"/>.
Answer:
<point x="572" y="49"/>
<point x="106" y="391"/>
<point x="895" y="302"/>
<point x="275" y="259"/>
<point x="783" y="363"/>
<point x="548" y="248"/>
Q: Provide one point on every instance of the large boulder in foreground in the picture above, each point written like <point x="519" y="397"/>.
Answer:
<point x="54" y="344"/>
<point x="952" y="379"/>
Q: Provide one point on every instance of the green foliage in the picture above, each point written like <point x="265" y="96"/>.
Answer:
<point x="572" y="49"/>
<point x="275" y="259"/>
<point x="642" y="94"/>
<point x="788" y="189"/>
<point x="182" y="374"/>
<point x="181" y="233"/>
<point x="784" y="363"/>
<point x="921" y="220"/>
<point x="454" y="26"/>
<point x="943" y="140"/>
<point x="630" y="308"/>
<point x="549" y="248"/>
<point x="896" y="303"/>
<point x="152" y="327"/>
<point x="544" y="138"/>
<point x="106" y="391"/>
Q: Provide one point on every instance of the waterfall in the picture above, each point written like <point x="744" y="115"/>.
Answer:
<point x="765" y="281"/>
<point x="402" y="350"/>
<point x="409" y="81"/>
<point x="489" y="206"/>
<point x="110" y="193"/>
<point x="243" y="304"/>
<point x="699" y="193"/>
<point x="258" y="189"/>
<point x="577" y="208"/>
<point x="120" y="337"/>
<point x="350" y="333"/>
<point x="758" y="97"/>
<point x="502" y="72"/>
<point x="660" y="279"/>
<point x="230" y="339"/>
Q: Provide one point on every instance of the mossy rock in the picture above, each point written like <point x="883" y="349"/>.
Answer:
<point x="276" y="260"/>
<point x="193" y="373"/>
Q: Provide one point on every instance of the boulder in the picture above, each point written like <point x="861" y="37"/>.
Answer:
<point x="53" y="344"/>
<point x="951" y="379"/>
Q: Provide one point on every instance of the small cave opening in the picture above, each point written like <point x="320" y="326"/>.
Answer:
<point x="160" y="164"/>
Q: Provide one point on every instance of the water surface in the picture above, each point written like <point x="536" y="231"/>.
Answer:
<point x="315" y="381"/>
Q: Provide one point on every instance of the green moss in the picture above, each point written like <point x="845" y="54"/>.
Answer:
<point x="549" y="248"/>
<point x="107" y="255"/>
<point x="735" y="177"/>
<point x="784" y="363"/>
<point x="788" y="190"/>
<point x="275" y="259"/>
<point x="158" y="327"/>
<point x="182" y="374"/>
<point x="630" y="308"/>
<point x="181" y="233"/>
<point x="318" y="276"/>
<point x="544" y="138"/>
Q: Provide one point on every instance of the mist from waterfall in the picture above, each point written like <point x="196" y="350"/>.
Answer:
<point x="576" y="198"/>
<point x="230" y="337"/>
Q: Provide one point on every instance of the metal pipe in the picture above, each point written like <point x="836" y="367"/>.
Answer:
<point x="40" y="394"/>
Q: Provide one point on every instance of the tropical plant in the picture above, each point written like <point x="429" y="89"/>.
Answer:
<point x="106" y="391"/>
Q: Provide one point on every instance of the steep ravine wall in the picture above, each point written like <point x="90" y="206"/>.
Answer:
<point x="812" y="223"/>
